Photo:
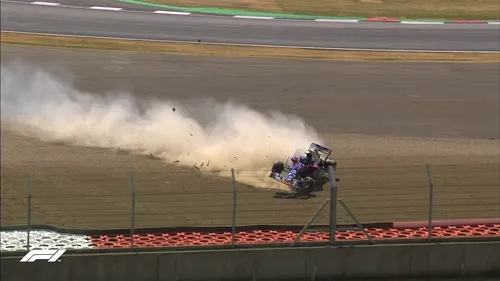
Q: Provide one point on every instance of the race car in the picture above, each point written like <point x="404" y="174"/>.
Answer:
<point x="307" y="172"/>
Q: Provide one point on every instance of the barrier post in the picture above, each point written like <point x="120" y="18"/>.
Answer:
<point x="235" y="191"/>
<point x="132" y="227"/>
<point x="431" y="199"/>
<point x="333" y="204"/>
<point x="29" y="213"/>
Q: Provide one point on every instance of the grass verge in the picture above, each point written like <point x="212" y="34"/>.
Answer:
<point x="410" y="9"/>
<point x="235" y="51"/>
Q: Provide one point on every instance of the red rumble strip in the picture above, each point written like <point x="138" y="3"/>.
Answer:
<point x="467" y="21"/>
<point x="380" y="19"/>
<point x="283" y="236"/>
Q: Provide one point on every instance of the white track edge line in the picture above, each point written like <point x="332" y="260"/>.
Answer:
<point x="336" y="20"/>
<point x="250" y="45"/>
<point x="172" y="13"/>
<point x="253" y="17"/>
<point x="421" y="22"/>
<point x="105" y="8"/>
<point x="45" y="3"/>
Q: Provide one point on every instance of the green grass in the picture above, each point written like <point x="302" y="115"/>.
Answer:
<point x="409" y="9"/>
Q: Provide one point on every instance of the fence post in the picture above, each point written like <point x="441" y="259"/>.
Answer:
<point x="235" y="191"/>
<point x="29" y="213"/>
<point x="431" y="199"/>
<point x="132" y="182"/>
<point x="333" y="205"/>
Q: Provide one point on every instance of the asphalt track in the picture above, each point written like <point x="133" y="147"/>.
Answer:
<point x="81" y="21"/>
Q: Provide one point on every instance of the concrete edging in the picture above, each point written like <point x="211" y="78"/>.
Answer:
<point x="380" y="261"/>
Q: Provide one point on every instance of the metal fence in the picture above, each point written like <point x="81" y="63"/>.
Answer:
<point x="138" y="200"/>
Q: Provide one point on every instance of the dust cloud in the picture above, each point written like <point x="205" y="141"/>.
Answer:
<point x="214" y="137"/>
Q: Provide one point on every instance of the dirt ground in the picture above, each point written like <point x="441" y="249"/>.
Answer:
<point x="385" y="121"/>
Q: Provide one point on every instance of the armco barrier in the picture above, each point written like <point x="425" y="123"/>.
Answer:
<point x="401" y="261"/>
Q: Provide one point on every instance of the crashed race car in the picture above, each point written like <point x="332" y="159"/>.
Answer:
<point x="307" y="172"/>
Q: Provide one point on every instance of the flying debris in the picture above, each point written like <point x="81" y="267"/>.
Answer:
<point x="196" y="166"/>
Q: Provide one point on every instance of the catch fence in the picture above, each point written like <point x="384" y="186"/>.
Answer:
<point x="365" y="199"/>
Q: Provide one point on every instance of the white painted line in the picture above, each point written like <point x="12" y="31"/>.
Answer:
<point x="106" y="8"/>
<point x="171" y="13"/>
<point x="252" y="17"/>
<point x="494" y="22"/>
<point x="45" y="3"/>
<point x="422" y="22"/>
<point x="336" y="20"/>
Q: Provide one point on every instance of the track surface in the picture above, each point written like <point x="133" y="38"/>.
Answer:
<point x="145" y="25"/>
<point x="383" y="176"/>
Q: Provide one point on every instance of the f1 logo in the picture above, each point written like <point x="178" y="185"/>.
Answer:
<point x="49" y="255"/>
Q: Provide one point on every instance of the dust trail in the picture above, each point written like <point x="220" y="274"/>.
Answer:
<point x="224" y="136"/>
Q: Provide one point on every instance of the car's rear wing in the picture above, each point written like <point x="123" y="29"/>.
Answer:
<point x="325" y="151"/>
